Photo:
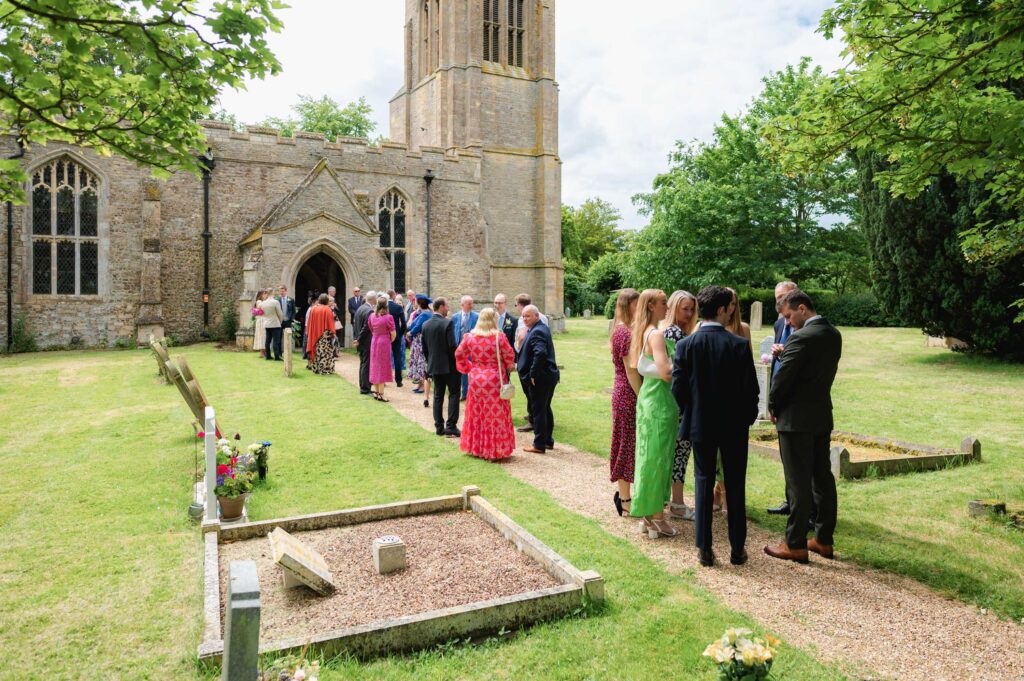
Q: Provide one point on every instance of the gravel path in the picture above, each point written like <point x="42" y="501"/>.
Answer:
<point x="873" y="624"/>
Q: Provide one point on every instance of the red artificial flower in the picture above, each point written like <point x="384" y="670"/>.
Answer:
<point x="218" y="433"/>
<point x="232" y="476"/>
<point x="222" y="469"/>
<point x="201" y="435"/>
<point x="234" y="460"/>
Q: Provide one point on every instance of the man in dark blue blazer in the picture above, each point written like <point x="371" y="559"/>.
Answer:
<point x="715" y="386"/>
<point x="782" y="333"/>
<point x="398" y="345"/>
<point x="537" y="368"/>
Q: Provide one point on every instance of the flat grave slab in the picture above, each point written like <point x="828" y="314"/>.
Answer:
<point x="470" y="571"/>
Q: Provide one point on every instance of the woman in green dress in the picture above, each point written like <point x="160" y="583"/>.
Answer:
<point x="657" y="416"/>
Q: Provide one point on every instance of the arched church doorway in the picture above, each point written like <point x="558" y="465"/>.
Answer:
<point x="316" y="275"/>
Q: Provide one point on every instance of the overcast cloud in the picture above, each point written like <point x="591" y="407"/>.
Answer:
<point x="634" y="77"/>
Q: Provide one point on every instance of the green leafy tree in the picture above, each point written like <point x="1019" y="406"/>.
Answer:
<point x="324" y="115"/>
<point x="130" y="77"/>
<point x="727" y="212"/>
<point x="934" y="87"/>
<point x="920" y="272"/>
<point x="590" y="230"/>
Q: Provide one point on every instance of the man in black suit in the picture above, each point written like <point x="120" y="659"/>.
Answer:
<point x="782" y="333"/>
<point x="800" y="402"/>
<point x="537" y="368"/>
<point x="354" y="303"/>
<point x="363" y="338"/>
<point x="398" y="345"/>
<point x="507" y="322"/>
<point x="715" y="386"/>
<point x="287" y="308"/>
<point x="439" y="352"/>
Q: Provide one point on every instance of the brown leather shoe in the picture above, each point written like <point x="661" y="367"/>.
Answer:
<point x="533" y="450"/>
<point x="785" y="553"/>
<point x="823" y="550"/>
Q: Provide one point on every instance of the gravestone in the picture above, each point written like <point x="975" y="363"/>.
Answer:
<point x="756" y="315"/>
<point x="210" y="451"/>
<point x="288" y="351"/>
<point x="763" y="371"/>
<point x="388" y="554"/>
<point x="163" y="360"/>
<point x="301" y="564"/>
<point x="587" y="314"/>
<point x="242" y="623"/>
<point x="193" y="384"/>
<point x="186" y="393"/>
<point x="765" y="348"/>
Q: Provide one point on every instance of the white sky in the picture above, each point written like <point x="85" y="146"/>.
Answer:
<point x="634" y="77"/>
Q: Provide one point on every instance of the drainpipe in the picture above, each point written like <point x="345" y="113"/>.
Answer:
<point x="207" y="163"/>
<point x="428" y="178"/>
<point x="10" y="242"/>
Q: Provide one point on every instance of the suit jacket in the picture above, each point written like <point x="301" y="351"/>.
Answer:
<point x="537" y="356"/>
<point x="271" y="313"/>
<point x="287" y="310"/>
<point x="439" y="345"/>
<point x="508" y="327"/>
<point x="714" y="384"/>
<point x="399" y="316"/>
<point x="801" y="394"/>
<point x="354" y="304"/>
<point x="462" y="328"/>
<point x="360" y="328"/>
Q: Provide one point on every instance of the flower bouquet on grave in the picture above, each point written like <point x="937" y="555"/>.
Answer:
<point x="261" y="452"/>
<point x="292" y="668"/>
<point x="741" y="656"/>
<point x="234" y="479"/>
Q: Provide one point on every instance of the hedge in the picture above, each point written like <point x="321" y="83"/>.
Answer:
<point x="843" y="309"/>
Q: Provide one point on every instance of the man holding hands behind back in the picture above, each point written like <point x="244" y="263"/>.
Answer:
<point x="800" y="402"/>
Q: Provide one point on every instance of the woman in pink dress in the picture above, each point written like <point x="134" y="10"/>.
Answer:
<point x="382" y="326"/>
<point x="487" y="426"/>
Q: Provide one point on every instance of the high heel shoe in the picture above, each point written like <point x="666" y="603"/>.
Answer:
<point x="659" y="528"/>
<point x="619" y="501"/>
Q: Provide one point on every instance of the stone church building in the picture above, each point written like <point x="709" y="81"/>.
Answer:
<point x="465" y="197"/>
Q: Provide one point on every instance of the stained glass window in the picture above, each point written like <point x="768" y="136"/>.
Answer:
<point x="65" y="230"/>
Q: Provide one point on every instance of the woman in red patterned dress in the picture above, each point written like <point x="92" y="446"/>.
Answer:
<point x="487" y="427"/>
<point x="627" y="385"/>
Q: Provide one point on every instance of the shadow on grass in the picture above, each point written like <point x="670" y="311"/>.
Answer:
<point x="966" y="362"/>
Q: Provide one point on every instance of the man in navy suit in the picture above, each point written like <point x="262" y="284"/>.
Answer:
<point x="397" y="345"/>
<point x="715" y="386"/>
<point x="782" y="333"/>
<point x="537" y="368"/>
<point x="465" y="321"/>
<point x="287" y="307"/>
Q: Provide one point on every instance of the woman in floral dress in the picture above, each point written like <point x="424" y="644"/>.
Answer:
<point x="414" y="338"/>
<point x="679" y="323"/>
<point x="627" y="385"/>
<point x="486" y="357"/>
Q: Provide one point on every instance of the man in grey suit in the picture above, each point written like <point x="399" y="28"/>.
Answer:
<point x="800" y="401"/>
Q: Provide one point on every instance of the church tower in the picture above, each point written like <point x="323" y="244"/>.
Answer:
<point x="480" y="77"/>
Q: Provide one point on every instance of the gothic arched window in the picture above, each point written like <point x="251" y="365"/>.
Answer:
<point x="510" y="16"/>
<point x="492" y="31"/>
<point x="65" y="220"/>
<point x="391" y="221"/>
<point x="516" y="31"/>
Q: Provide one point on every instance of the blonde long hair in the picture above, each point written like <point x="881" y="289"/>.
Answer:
<point x="644" y="317"/>
<point x="487" y="324"/>
<point x="623" y="315"/>
<point x="735" y="325"/>
<point x="674" y="303"/>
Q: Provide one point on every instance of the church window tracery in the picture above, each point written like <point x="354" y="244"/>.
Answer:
<point x="391" y="222"/>
<point x="492" y="31"/>
<point x="516" y="29"/>
<point x="65" y="241"/>
<point x="505" y="32"/>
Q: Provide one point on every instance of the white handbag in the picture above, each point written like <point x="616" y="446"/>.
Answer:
<point x="646" y="367"/>
<point x="507" y="391"/>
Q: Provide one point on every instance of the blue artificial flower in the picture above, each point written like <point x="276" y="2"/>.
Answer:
<point x="220" y="480"/>
<point x="266" y="443"/>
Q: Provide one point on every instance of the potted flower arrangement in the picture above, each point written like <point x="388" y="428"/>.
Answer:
<point x="261" y="452"/>
<point x="234" y="479"/>
<point x="741" y="656"/>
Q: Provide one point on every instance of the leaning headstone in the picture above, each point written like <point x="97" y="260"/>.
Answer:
<point x="288" y="351"/>
<point x="765" y="347"/>
<point x="301" y="565"/>
<point x="242" y="623"/>
<point x="756" y="315"/>
<point x="186" y="393"/>
<point x="388" y="554"/>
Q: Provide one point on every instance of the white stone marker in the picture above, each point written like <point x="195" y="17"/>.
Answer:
<point x="210" y="445"/>
<point x="388" y="554"/>
<point x="763" y="371"/>
<point x="288" y="351"/>
<point x="756" y="315"/>
<point x="302" y="565"/>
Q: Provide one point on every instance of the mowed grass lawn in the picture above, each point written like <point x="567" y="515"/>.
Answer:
<point x="889" y="384"/>
<point x="100" y="570"/>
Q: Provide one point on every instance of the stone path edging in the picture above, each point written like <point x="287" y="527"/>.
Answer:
<point x="870" y="623"/>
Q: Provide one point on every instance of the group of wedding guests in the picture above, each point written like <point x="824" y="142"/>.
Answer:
<point x="464" y="356"/>
<point x="685" y="386"/>
<point x="272" y="314"/>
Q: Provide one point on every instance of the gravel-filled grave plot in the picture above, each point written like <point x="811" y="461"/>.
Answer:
<point x="453" y="559"/>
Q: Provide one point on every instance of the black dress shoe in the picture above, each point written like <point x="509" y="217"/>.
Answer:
<point x="738" y="558"/>
<point x="524" y="429"/>
<point x="706" y="557"/>
<point x="439" y="432"/>
<point x="781" y="509"/>
<point x="454" y="432"/>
